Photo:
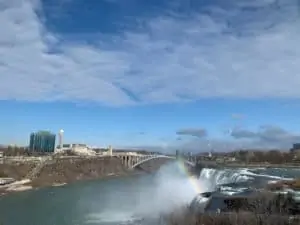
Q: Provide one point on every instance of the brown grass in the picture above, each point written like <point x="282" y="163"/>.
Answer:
<point x="275" y="211"/>
<point x="240" y="218"/>
<point x="294" y="184"/>
<point x="16" y="170"/>
<point x="71" y="170"/>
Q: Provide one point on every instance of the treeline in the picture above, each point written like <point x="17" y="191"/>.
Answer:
<point x="20" y="151"/>
<point x="244" y="156"/>
<point x="271" y="156"/>
<point x="255" y="156"/>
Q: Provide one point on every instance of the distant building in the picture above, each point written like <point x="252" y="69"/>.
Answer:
<point x="42" y="141"/>
<point x="177" y="154"/>
<point x="210" y="155"/>
<point x="71" y="146"/>
<point x="296" y="146"/>
<point x="79" y="149"/>
<point x="60" y="138"/>
<point x="295" y="150"/>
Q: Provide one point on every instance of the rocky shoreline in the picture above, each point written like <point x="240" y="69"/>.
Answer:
<point x="276" y="203"/>
<point x="59" y="172"/>
<point x="263" y="207"/>
<point x="32" y="175"/>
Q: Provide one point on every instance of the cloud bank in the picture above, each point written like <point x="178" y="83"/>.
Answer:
<point x="241" y="49"/>
<point x="265" y="137"/>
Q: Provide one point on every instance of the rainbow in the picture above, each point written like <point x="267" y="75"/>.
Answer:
<point x="192" y="180"/>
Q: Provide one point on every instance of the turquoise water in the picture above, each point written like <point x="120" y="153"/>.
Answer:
<point x="120" y="200"/>
<point x="81" y="203"/>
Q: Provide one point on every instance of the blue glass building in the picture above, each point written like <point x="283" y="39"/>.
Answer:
<point x="42" y="141"/>
<point x="177" y="154"/>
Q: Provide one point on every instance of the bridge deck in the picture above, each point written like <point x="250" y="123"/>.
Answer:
<point x="132" y="161"/>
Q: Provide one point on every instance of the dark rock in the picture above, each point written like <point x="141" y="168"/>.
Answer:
<point x="282" y="184"/>
<point x="200" y="201"/>
<point x="259" y="203"/>
<point x="71" y="170"/>
<point x="262" y="203"/>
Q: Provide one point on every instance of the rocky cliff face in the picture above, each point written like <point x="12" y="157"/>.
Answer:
<point x="259" y="203"/>
<point x="70" y="170"/>
<point x="17" y="171"/>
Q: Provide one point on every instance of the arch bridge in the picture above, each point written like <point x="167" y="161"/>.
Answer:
<point x="132" y="161"/>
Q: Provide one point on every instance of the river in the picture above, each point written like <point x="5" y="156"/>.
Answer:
<point x="125" y="200"/>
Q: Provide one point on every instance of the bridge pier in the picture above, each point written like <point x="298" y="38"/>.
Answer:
<point x="126" y="160"/>
<point x="132" y="161"/>
<point x="135" y="160"/>
<point x="129" y="161"/>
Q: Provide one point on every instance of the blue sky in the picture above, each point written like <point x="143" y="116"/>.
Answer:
<point x="152" y="73"/>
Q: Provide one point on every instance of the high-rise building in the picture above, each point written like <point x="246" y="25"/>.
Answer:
<point x="42" y="141"/>
<point x="60" y="138"/>
<point x="177" y="154"/>
<point x="110" y="150"/>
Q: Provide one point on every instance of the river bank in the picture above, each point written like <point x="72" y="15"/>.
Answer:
<point x="58" y="172"/>
<point x="111" y="201"/>
<point x="61" y="171"/>
<point x="260" y="208"/>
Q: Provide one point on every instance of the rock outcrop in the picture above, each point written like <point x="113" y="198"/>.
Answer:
<point x="16" y="170"/>
<point x="284" y="184"/>
<point x="70" y="170"/>
<point x="259" y="203"/>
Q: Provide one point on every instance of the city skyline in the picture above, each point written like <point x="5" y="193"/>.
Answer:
<point x="178" y="126"/>
<point x="154" y="74"/>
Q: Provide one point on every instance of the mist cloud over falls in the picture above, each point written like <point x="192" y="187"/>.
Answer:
<point x="150" y="196"/>
<point x="169" y="189"/>
<point x="147" y="196"/>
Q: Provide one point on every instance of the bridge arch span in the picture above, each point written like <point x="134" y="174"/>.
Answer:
<point x="159" y="157"/>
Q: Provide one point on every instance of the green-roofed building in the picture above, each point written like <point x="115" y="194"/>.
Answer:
<point x="42" y="141"/>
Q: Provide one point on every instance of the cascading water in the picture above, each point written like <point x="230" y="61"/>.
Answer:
<point x="240" y="181"/>
<point x="172" y="187"/>
<point x="213" y="178"/>
<point x="218" y="181"/>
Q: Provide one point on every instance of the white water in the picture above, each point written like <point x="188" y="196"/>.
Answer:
<point x="213" y="177"/>
<point x="270" y="177"/>
<point x="127" y="200"/>
<point x="171" y="188"/>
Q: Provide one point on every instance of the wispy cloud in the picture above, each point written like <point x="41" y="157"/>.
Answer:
<point x="237" y="116"/>
<point x="244" y="49"/>
<point x="199" y="133"/>
<point x="265" y="137"/>
<point x="267" y="134"/>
